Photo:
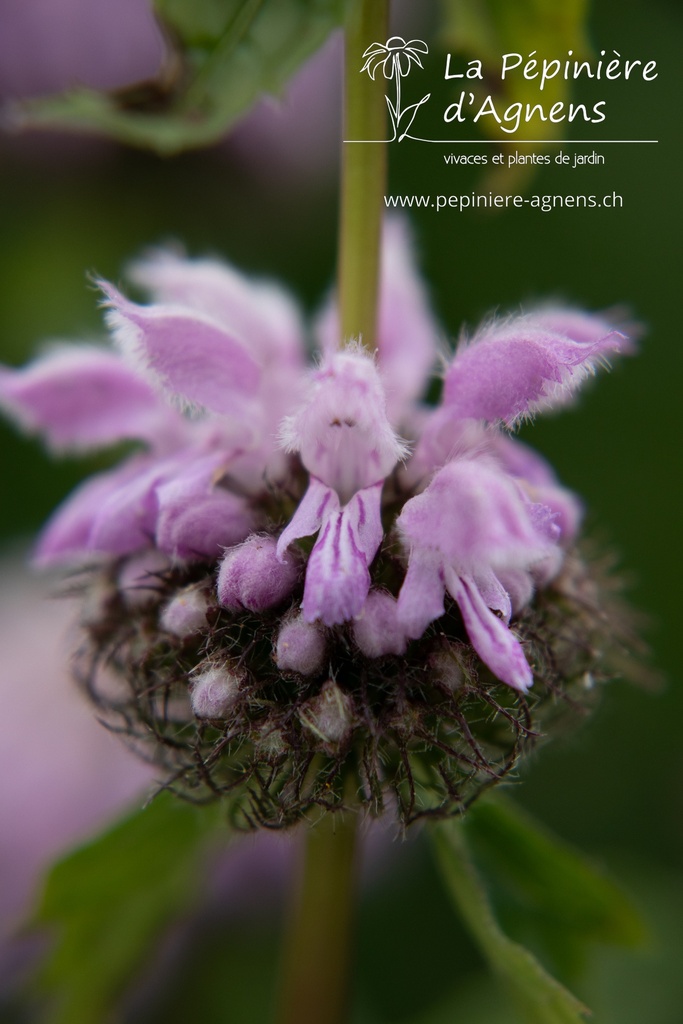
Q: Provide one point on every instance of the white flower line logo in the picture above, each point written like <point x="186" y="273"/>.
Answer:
<point x="396" y="58"/>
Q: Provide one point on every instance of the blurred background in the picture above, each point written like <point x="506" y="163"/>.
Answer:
<point x="266" y="199"/>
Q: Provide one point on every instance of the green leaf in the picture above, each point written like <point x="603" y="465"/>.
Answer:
<point x="227" y="53"/>
<point x="201" y="22"/>
<point x="542" y="999"/>
<point x="486" y="29"/>
<point x="555" y="886"/>
<point x="107" y="903"/>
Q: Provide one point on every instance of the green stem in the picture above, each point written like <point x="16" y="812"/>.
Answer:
<point x="363" y="176"/>
<point x="316" y="964"/>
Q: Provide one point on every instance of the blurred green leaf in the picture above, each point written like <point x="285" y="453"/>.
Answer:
<point x="549" y="882"/>
<point x="202" y="22"/>
<point x="109" y="901"/>
<point x="225" y="55"/>
<point x="487" y="29"/>
<point x="542" y="999"/>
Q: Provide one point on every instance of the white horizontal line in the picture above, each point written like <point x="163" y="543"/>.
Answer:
<point x="519" y="142"/>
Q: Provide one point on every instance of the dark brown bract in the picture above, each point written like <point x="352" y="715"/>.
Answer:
<point x="421" y="734"/>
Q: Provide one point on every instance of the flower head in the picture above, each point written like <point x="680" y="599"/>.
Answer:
<point x="310" y="561"/>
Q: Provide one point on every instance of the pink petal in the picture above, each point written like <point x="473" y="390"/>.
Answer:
<point x="341" y="431"/>
<point x="378" y="630"/>
<point x="445" y="437"/>
<point x="82" y="397"/>
<point x="126" y="520"/>
<point x="520" y="460"/>
<point x="494" y="594"/>
<point x="518" y="585"/>
<point x="365" y="508"/>
<point x="519" y="366"/>
<point x="190" y="355"/>
<point x="585" y="328"/>
<point x="196" y="518"/>
<point x="476" y="516"/>
<point x="498" y="379"/>
<point x="540" y="483"/>
<point x="421" y="598"/>
<point x="259" y="315"/>
<point x="66" y="537"/>
<point x="490" y="637"/>
<point x="318" y="503"/>
<point x="337" y="574"/>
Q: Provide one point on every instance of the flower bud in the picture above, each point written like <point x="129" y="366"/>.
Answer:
<point x="329" y="716"/>
<point x="377" y="630"/>
<point x="185" y="613"/>
<point x="300" y="646"/>
<point x="447" y="668"/>
<point x="270" y="742"/>
<point x="252" y="577"/>
<point x="215" y="692"/>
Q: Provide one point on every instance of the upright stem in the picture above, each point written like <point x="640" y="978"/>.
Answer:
<point x="363" y="176"/>
<point x="317" y="957"/>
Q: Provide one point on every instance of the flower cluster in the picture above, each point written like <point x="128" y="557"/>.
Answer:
<point x="305" y="574"/>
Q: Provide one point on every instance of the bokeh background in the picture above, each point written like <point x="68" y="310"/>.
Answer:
<point x="266" y="199"/>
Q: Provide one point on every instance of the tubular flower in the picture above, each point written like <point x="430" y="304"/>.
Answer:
<point x="492" y="533"/>
<point x="296" y="562"/>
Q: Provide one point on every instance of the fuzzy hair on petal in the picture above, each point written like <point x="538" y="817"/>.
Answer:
<point x="515" y="367"/>
<point x="187" y="354"/>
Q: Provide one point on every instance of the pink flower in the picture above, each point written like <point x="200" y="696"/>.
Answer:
<point x="220" y="342"/>
<point x="272" y="453"/>
<point x="492" y="543"/>
<point x="407" y="334"/>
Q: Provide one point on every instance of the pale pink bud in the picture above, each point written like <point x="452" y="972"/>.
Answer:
<point x="300" y="647"/>
<point x="185" y="614"/>
<point x="377" y="630"/>
<point x="215" y="692"/>
<point x="251" y="575"/>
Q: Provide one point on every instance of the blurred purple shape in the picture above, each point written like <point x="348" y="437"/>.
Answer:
<point x="64" y="776"/>
<point x="297" y="134"/>
<point x="50" y="45"/>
